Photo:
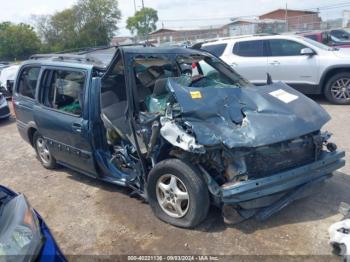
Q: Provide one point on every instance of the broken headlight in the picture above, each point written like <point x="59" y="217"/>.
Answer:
<point x="20" y="235"/>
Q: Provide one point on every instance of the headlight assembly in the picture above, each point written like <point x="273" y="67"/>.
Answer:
<point x="20" y="235"/>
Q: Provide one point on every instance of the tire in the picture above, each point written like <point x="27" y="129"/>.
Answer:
<point x="337" y="89"/>
<point x="49" y="161"/>
<point x="188" y="180"/>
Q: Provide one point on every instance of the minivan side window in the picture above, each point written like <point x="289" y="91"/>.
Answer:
<point x="28" y="81"/>
<point x="249" y="48"/>
<point x="282" y="47"/>
<point x="64" y="90"/>
<point x="216" y="50"/>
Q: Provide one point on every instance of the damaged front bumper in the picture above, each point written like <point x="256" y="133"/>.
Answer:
<point x="270" y="194"/>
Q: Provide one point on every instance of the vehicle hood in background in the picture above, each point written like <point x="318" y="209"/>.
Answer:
<point x="247" y="117"/>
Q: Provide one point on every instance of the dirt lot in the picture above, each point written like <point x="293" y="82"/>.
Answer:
<point x="91" y="217"/>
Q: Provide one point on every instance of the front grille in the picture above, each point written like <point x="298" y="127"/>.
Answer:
<point x="268" y="160"/>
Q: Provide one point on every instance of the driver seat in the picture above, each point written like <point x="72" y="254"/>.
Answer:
<point x="113" y="114"/>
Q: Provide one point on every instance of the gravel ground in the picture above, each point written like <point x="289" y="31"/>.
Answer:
<point x="87" y="216"/>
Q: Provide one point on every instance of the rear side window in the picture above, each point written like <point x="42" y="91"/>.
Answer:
<point x="249" y="48"/>
<point x="64" y="90"/>
<point x="28" y="81"/>
<point x="282" y="47"/>
<point x="216" y="50"/>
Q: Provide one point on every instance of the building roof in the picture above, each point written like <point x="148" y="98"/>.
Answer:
<point x="290" y="10"/>
<point x="255" y="21"/>
<point x="201" y="28"/>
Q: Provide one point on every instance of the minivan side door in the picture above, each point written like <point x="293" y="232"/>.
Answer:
<point x="62" y="116"/>
<point x="249" y="60"/>
<point x="287" y="64"/>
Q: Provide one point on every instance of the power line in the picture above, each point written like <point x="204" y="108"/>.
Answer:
<point x="326" y="7"/>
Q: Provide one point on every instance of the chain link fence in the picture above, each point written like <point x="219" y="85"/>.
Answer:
<point x="295" y="24"/>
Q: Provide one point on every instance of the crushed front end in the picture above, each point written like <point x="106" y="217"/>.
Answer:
<point x="280" y="174"/>
<point x="257" y="154"/>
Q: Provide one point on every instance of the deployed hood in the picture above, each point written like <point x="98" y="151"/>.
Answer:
<point x="247" y="117"/>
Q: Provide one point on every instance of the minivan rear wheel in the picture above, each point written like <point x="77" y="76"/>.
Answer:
<point x="43" y="151"/>
<point x="177" y="193"/>
<point x="337" y="89"/>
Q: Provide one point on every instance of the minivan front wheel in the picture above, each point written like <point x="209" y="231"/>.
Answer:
<point x="337" y="89"/>
<point x="43" y="151"/>
<point x="177" y="193"/>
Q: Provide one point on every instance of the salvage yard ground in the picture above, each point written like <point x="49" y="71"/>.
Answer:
<point x="87" y="216"/>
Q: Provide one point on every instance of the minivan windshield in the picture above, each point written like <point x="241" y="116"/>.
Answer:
<point x="206" y="71"/>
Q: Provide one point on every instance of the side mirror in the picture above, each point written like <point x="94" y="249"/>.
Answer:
<point x="307" y="51"/>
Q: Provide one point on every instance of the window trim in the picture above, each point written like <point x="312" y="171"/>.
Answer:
<point x="264" y="54"/>
<point x="217" y="44"/>
<point x="17" y="81"/>
<point x="41" y="94"/>
<point x="269" y="52"/>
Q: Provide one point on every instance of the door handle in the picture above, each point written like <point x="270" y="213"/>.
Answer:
<point x="275" y="63"/>
<point x="76" y="127"/>
<point x="233" y="64"/>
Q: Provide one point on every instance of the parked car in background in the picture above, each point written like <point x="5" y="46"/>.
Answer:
<point x="179" y="127"/>
<point x="328" y="38"/>
<point x="304" y="64"/>
<point x="4" y="108"/>
<point x="7" y="77"/>
<point x="24" y="236"/>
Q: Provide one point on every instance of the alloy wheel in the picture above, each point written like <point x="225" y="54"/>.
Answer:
<point x="43" y="150"/>
<point x="340" y="89"/>
<point x="172" y="196"/>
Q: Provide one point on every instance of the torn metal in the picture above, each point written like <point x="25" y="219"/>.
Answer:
<point x="247" y="117"/>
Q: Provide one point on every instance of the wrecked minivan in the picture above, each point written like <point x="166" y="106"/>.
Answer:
<point x="177" y="126"/>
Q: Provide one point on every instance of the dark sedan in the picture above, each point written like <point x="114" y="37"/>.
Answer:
<point x="4" y="108"/>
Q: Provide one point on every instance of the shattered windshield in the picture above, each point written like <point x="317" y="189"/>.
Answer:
<point x="154" y="74"/>
<point x="205" y="71"/>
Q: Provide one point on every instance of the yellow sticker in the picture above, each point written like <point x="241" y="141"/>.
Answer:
<point x="196" y="94"/>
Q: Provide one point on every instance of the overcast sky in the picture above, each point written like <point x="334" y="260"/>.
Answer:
<point x="175" y="13"/>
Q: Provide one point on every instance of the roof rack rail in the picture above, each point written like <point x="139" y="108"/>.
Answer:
<point x="63" y="57"/>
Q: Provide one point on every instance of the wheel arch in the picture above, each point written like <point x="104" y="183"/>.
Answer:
<point x="332" y="71"/>
<point x="32" y="128"/>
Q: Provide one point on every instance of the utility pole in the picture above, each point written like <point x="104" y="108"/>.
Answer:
<point x="143" y="5"/>
<point x="135" y="6"/>
<point x="286" y="17"/>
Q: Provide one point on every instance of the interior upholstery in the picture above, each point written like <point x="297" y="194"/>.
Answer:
<point x="160" y="87"/>
<point x="113" y="113"/>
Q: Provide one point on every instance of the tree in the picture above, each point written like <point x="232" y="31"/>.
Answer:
<point x="88" y="23"/>
<point x="98" y="20"/>
<point x="143" y="22"/>
<point x="17" y="41"/>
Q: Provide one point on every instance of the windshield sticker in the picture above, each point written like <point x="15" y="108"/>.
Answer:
<point x="284" y="96"/>
<point x="196" y="94"/>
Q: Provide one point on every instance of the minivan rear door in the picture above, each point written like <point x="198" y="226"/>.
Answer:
<point x="62" y="116"/>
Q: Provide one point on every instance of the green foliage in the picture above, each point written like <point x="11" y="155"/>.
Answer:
<point x="88" y="23"/>
<point x="17" y="41"/>
<point x="143" y="22"/>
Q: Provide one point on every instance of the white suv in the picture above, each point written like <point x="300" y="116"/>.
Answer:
<point x="306" y="65"/>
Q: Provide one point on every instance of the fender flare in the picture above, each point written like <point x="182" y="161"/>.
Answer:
<point x="325" y="72"/>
